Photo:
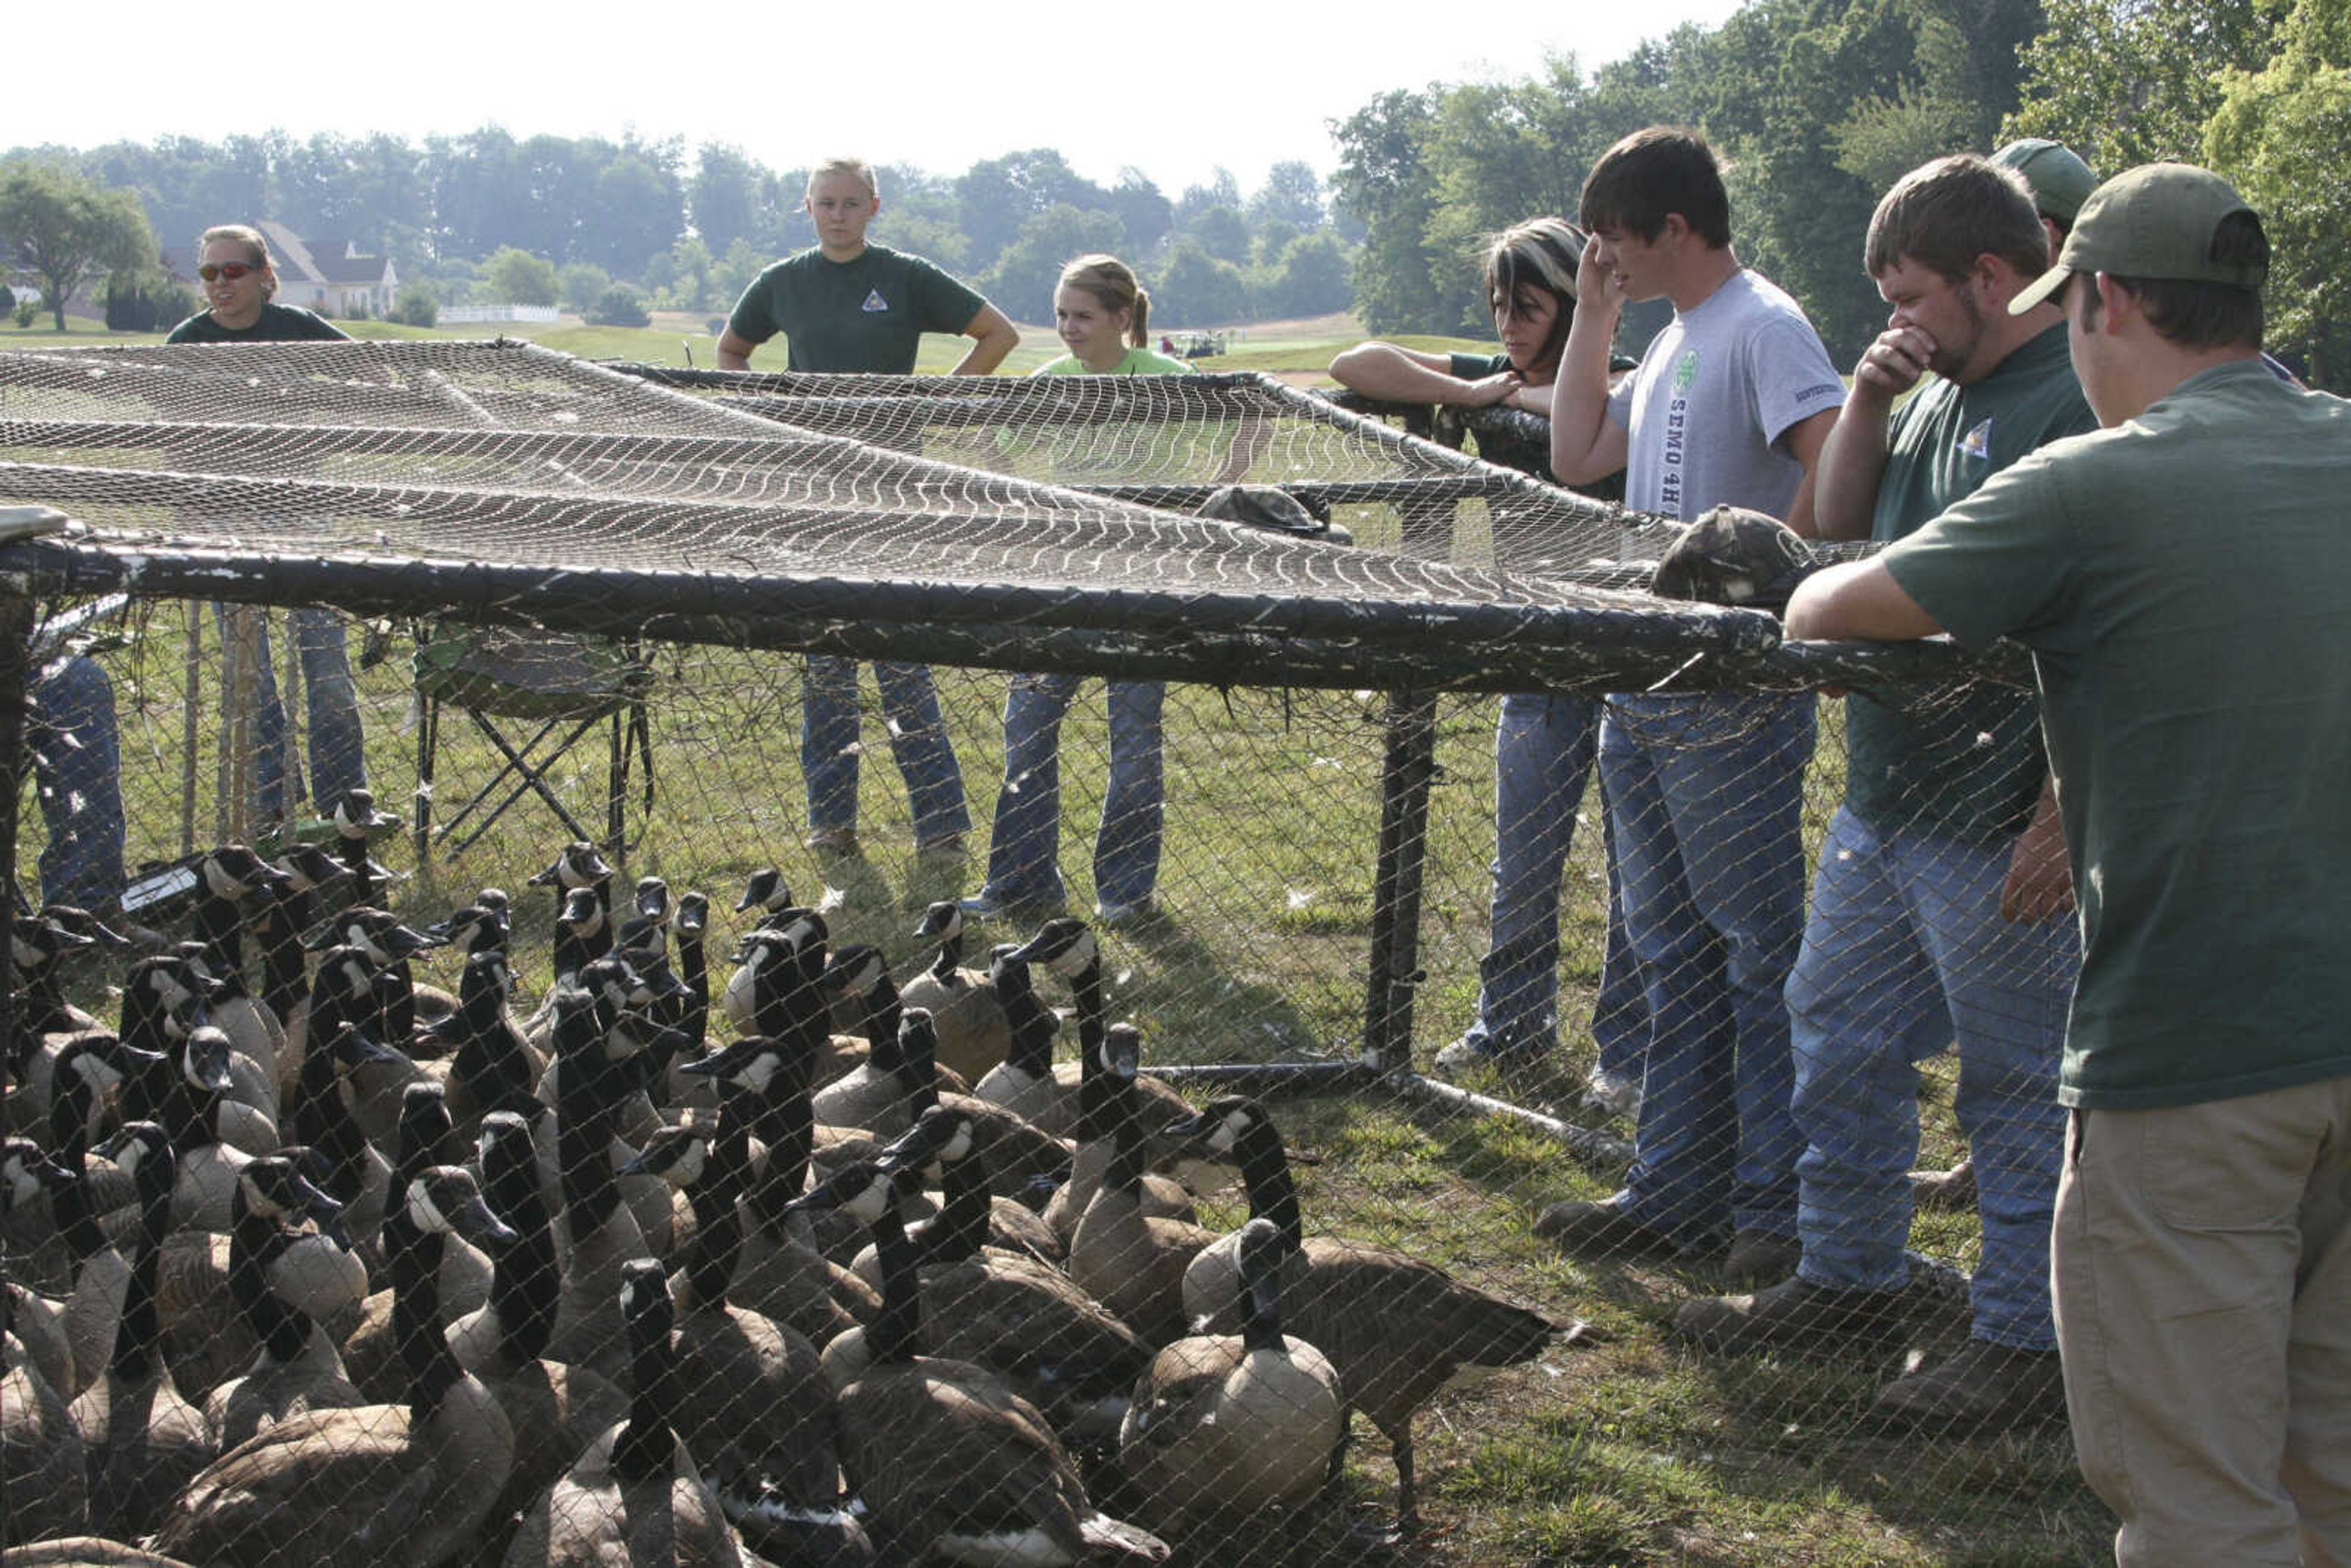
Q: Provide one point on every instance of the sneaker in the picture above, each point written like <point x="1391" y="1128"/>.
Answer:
<point x="831" y="840"/>
<point x="1759" y="1258"/>
<point x="1602" y="1232"/>
<point x="1984" y="1389"/>
<point x="985" y="905"/>
<point x="1111" y="916"/>
<point x="1950" y="1192"/>
<point x="1795" y="1314"/>
<point x="1470" y="1053"/>
<point x="1614" y="1093"/>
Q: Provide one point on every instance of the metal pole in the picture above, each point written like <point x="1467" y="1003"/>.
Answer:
<point x="16" y="659"/>
<point x="191" y="717"/>
<point x="1404" y="778"/>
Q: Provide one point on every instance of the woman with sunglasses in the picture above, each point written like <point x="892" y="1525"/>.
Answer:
<point x="233" y="263"/>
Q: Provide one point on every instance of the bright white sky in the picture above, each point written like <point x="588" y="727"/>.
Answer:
<point x="934" y="83"/>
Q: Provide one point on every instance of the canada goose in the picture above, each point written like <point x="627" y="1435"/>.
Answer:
<point x="297" y="1368"/>
<point x="426" y="1140"/>
<point x="1018" y="1155"/>
<point x="1396" y="1328"/>
<point x="636" y="1496"/>
<point x="63" y="1350"/>
<point x="226" y="878"/>
<point x="357" y="1174"/>
<point x="142" y="1441"/>
<point x="782" y="1275"/>
<point x="1128" y="1259"/>
<point x="491" y="1066"/>
<point x="387" y="1009"/>
<point x="962" y="1139"/>
<point x="42" y="1469"/>
<point x="1233" y="1426"/>
<point x="284" y="919"/>
<point x="349" y="1487"/>
<point x="43" y="1022"/>
<point x="944" y="1458"/>
<point x="601" y="1232"/>
<point x="581" y="867"/>
<point x="183" y="1095"/>
<point x="769" y="962"/>
<point x="1066" y="947"/>
<point x="764" y="891"/>
<point x="355" y="819"/>
<point x="1023" y="1082"/>
<point x="973" y="1031"/>
<point x="555" y="1410"/>
<point x="753" y="1406"/>
<point x="1007" y="1310"/>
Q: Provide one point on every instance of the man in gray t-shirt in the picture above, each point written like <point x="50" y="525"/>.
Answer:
<point x="1730" y="405"/>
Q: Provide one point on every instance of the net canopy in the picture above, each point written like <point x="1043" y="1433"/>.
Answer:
<point x="498" y="480"/>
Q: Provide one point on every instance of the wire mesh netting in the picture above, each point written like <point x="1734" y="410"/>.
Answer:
<point x="838" y="1062"/>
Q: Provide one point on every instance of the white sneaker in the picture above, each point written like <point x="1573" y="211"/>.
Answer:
<point x="1462" y="1056"/>
<point x="1617" y="1093"/>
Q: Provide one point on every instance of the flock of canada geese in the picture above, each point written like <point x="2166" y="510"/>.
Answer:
<point x="339" y="1269"/>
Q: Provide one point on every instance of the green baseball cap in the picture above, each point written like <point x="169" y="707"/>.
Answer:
<point x="2158" y="220"/>
<point x="2060" y="181"/>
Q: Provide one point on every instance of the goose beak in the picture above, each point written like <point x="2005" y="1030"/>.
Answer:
<point x="476" y="1223"/>
<point x="208" y="1064"/>
<point x="356" y="1047"/>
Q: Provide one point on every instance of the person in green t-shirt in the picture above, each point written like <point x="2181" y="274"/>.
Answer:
<point x="1103" y="313"/>
<point x="1543" y="740"/>
<point x="847" y="306"/>
<point x="1936" y="912"/>
<point x="233" y="263"/>
<point x="2183" y="578"/>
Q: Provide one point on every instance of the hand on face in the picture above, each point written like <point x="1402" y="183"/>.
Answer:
<point x="1596" y="282"/>
<point x="1892" y="365"/>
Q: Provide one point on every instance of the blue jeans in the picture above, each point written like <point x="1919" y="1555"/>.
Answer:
<point x="1705" y="799"/>
<point x="78" y="773"/>
<point x="1024" y="851"/>
<point x="337" y="749"/>
<point x="1905" y="953"/>
<point x="918" y="742"/>
<point x="1544" y="745"/>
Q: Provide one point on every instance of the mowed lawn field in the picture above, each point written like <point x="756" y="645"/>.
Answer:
<point x="1629" y="1449"/>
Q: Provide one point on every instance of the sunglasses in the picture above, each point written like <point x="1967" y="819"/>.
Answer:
<point x="232" y="270"/>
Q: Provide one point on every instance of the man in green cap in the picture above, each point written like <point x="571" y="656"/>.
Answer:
<point x="2183" y="579"/>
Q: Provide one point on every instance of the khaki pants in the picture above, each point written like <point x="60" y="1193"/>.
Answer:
<point x="2202" y="1271"/>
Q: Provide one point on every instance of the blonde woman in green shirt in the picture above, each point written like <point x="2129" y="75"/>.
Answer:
<point x="1103" y="314"/>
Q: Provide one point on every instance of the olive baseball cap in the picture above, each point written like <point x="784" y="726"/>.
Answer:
<point x="2058" y="178"/>
<point x="2158" y="220"/>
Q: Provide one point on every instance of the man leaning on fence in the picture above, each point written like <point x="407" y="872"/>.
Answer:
<point x="1704" y="794"/>
<point x="2183" y="580"/>
<point x="1938" y="909"/>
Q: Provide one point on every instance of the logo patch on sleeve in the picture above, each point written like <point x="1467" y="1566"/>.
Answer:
<point x="874" y="301"/>
<point x="1977" y="443"/>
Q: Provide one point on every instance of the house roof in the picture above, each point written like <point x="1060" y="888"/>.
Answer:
<point x="297" y="260"/>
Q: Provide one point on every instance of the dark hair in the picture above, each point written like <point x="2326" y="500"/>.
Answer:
<point x="1113" y="282"/>
<point x="1540" y="253"/>
<point x="2202" y="315"/>
<point x="1946" y="213"/>
<point x="257" y="249"/>
<point x="1651" y="174"/>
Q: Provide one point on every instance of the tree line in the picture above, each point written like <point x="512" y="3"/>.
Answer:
<point x="1817" y="106"/>
<point x="551" y="219"/>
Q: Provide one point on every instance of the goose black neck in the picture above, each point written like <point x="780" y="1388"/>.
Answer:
<point x="43" y="1004"/>
<point x="786" y="1123"/>
<point x="424" y="1353"/>
<point x="526" y="1282"/>
<point x="395" y="991"/>
<point x="718" y="1223"/>
<point x="1094" y="1095"/>
<point x="219" y="925"/>
<point x="884" y="1013"/>
<point x="1261" y="1325"/>
<point x="646" y="1447"/>
<point x="694" y="974"/>
<point x="943" y="967"/>
<point x="135" y="1336"/>
<point x="76" y="1222"/>
<point x="323" y="1122"/>
<point x="1033" y="1026"/>
<point x="1265" y="1175"/>
<point x="895" y="1333"/>
<point x="961" y="1228"/>
<point x="282" y="1328"/>
<point x="1126" y="1173"/>
<point x="282" y="977"/>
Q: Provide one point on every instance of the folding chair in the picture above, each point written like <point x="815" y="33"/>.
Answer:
<point x="557" y="688"/>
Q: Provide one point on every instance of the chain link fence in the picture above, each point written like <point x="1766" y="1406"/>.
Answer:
<point x="1352" y="898"/>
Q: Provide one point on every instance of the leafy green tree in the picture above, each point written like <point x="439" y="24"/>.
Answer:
<point x="637" y="209"/>
<point x="1021" y="282"/>
<point x="1223" y="233"/>
<point x="1199" y="290"/>
<point x="1384" y="182"/>
<point x="732" y="273"/>
<point x="580" y="283"/>
<point x="996" y="196"/>
<point x="1273" y="237"/>
<point x="515" y="277"/>
<point x="417" y="306"/>
<point x="1142" y="212"/>
<point x="732" y="196"/>
<point x="1310" y="278"/>
<point x="619" y="306"/>
<point x="1292" y="193"/>
<point x="64" y="230"/>
<point x="2124" y="82"/>
<point x="2282" y="135"/>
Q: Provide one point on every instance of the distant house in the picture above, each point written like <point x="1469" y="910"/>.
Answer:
<point x="328" y="276"/>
